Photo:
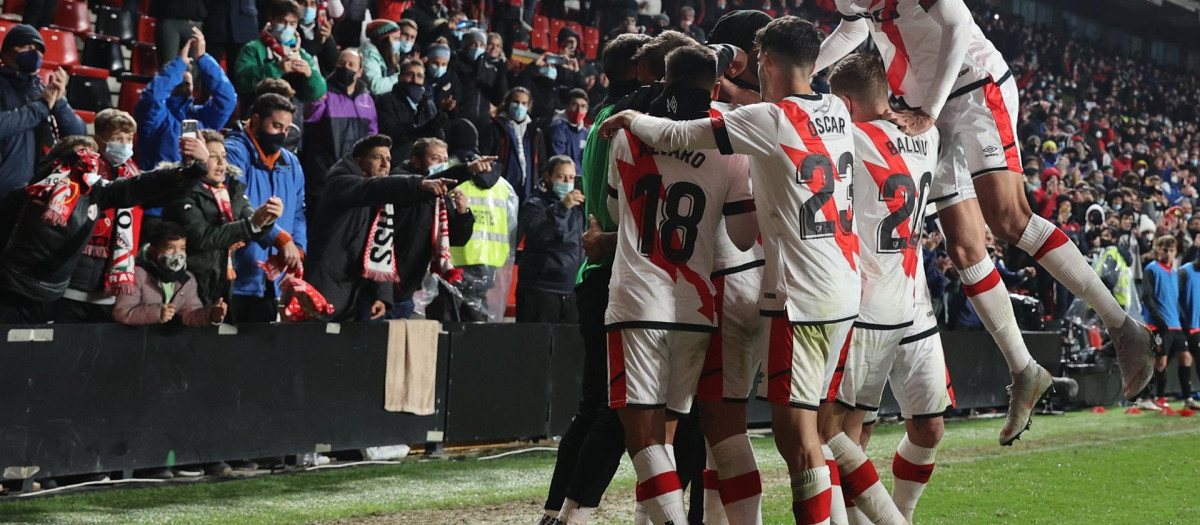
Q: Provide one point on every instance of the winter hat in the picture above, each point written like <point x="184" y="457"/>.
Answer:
<point x="565" y="33"/>
<point x="1049" y="147"/>
<point x="377" y="29"/>
<point x="438" y="50"/>
<point x="23" y="35"/>
<point x="472" y="36"/>
<point x="738" y="28"/>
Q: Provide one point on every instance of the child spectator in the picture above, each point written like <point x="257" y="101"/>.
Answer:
<point x="407" y="113"/>
<point x="277" y="54"/>
<point x="334" y="123"/>
<point x="567" y="134"/>
<point x="219" y="220"/>
<point x="167" y="102"/>
<point x="552" y="223"/>
<point x="164" y="289"/>
<point x="107" y="266"/>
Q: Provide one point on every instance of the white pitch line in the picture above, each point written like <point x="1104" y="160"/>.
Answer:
<point x="1071" y="445"/>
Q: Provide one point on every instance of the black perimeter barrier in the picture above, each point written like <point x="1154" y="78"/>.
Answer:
<point x="78" y="399"/>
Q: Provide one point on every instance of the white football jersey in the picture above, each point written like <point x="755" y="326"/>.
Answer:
<point x="924" y="318"/>
<point x="727" y="256"/>
<point x="910" y="40"/>
<point x="670" y="205"/>
<point x="892" y="174"/>
<point x="801" y="153"/>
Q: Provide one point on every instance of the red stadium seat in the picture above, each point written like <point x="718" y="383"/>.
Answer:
<point x="5" y="25"/>
<point x="61" y="49"/>
<point x="87" y="116"/>
<point x="131" y="92"/>
<point x="540" y="40"/>
<point x="73" y="16"/>
<point x="144" y="60"/>
<point x="591" y="42"/>
<point x="14" y="7"/>
<point x="145" y="31"/>
<point x="556" y="25"/>
<point x="578" y="29"/>
<point x="45" y="74"/>
<point x="541" y="24"/>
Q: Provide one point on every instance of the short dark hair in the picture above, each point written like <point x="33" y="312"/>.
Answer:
<point x="556" y="161"/>
<point x="368" y="143"/>
<point x="577" y="93"/>
<point x="692" y="66"/>
<point x="278" y="8"/>
<point x="792" y="39"/>
<point x="655" y="53"/>
<point x="617" y="58"/>
<point x="274" y="85"/>
<point x="167" y="231"/>
<point x="861" y="78"/>
<point x="1164" y="242"/>
<point x="267" y="104"/>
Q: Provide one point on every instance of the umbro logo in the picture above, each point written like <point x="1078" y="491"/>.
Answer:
<point x="991" y="151"/>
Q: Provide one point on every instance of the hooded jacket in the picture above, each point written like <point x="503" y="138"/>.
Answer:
<point x="23" y="114"/>
<point x="562" y="138"/>
<point x="285" y="181"/>
<point x="332" y="126"/>
<point x="160" y="116"/>
<point x="405" y="124"/>
<point x="482" y="85"/>
<point x="499" y="138"/>
<point x="144" y="306"/>
<point x="553" y="243"/>
<point x="38" y="260"/>
<point x="209" y="237"/>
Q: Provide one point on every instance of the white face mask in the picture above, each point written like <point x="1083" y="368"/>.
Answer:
<point x="116" y="153"/>
<point x="437" y="168"/>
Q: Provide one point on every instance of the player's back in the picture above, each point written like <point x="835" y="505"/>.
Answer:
<point x="802" y="185"/>
<point x="669" y="208"/>
<point x="910" y="39"/>
<point x="727" y="256"/>
<point x="892" y="174"/>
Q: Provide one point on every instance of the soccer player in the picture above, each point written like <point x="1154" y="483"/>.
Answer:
<point x="801" y="148"/>
<point x="943" y="70"/>
<point x="668" y="204"/>
<point x="1160" y="295"/>
<point x="892" y="174"/>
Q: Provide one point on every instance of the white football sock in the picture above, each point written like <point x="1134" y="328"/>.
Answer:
<point x="911" y="468"/>
<point x="1059" y="256"/>
<point x="985" y="289"/>
<point x="855" y="516"/>
<point x="658" y="487"/>
<point x="810" y="496"/>
<point x="740" y="482"/>
<point x="837" y="500"/>
<point x="861" y="483"/>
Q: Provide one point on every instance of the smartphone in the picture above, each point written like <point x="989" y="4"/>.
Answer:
<point x="468" y="24"/>
<point x="191" y="128"/>
<point x="555" y="60"/>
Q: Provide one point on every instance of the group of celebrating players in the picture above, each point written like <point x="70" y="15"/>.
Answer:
<point x="783" y="236"/>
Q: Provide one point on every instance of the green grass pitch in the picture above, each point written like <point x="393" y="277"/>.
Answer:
<point x="1078" y="468"/>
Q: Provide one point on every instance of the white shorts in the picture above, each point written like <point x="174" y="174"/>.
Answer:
<point x="654" y="368"/>
<point x="804" y="362"/>
<point x="978" y="126"/>
<point x="871" y="354"/>
<point x="739" y="344"/>
<point x="916" y="369"/>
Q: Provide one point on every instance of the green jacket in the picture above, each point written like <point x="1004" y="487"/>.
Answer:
<point x="375" y="70"/>
<point x="595" y="185"/>
<point x="256" y="62"/>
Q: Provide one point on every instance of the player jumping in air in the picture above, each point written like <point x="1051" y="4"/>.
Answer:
<point x="944" y="72"/>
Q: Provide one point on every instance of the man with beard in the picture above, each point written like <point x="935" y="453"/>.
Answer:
<point x="167" y="102"/>
<point x="336" y="122"/>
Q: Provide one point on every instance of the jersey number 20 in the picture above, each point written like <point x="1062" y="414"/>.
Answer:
<point x="682" y="208"/>
<point x="912" y="212"/>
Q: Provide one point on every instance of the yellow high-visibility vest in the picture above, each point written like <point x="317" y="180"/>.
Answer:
<point x="489" y="242"/>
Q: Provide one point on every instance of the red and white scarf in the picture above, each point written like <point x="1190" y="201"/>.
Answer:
<point x="379" y="255"/>
<point x="220" y="193"/>
<point x="59" y="192"/>
<point x="441" y="264"/>
<point x="116" y="237"/>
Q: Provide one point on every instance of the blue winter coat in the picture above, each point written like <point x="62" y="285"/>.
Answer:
<point x="286" y="181"/>
<point x="564" y="139"/>
<point x="22" y="111"/>
<point x="160" y="116"/>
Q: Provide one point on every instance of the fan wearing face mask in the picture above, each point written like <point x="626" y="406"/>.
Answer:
<point x="316" y="32"/>
<point x="389" y="44"/>
<point x="568" y="133"/>
<point x="107" y="266"/>
<point x="484" y="81"/>
<point x="164" y="290"/>
<point x="516" y="140"/>
<point x="407" y="113"/>
<point x="25" y="105"/>
<point x="440" y="81"/>
<point x="277" y="53"/>
<point x="333" y="124"/>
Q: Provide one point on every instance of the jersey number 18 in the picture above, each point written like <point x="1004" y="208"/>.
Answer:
<point x="675" y="233"/>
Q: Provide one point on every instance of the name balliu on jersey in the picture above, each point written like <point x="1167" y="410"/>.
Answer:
<point x="670" y="205"/>
<point x="910" y="41"/>
<point x="801" y="152"/>
<point x="892" y="174"/>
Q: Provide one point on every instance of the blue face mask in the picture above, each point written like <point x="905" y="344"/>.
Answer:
<point x="517" y="111"/>
<point x="310" y="15"/>
<point x="549" y="72"/>
<point x="285" y="35"/>
<point x="116" y="153"/>
<point x="29" y="61"/>
<point x="458" y="34"/>
<point x="474" y="53"/>
<point x="437" y="71"/>
<point x="561" y="188"/>
<point x="402" y="46"/>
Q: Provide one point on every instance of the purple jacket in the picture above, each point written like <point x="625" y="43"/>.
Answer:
<point x="331" y="127"/>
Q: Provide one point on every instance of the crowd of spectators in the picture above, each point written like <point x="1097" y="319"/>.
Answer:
<point x="415" y="149"/>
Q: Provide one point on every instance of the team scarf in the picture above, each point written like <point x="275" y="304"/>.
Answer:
<point x="59" y="192"/>
<point x="220" y="193"/>
<point x="441" y="264"/>
<point x="379" y="257"/>
<point x="116" y="238"/>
